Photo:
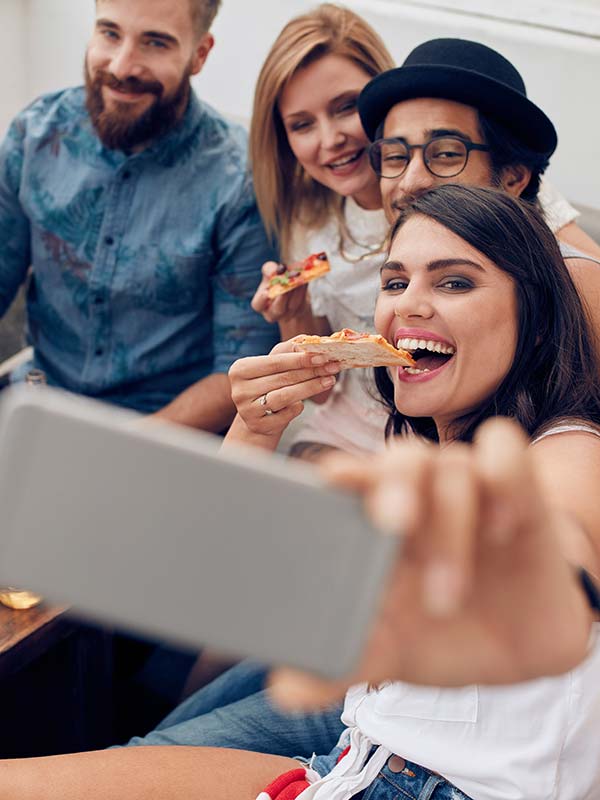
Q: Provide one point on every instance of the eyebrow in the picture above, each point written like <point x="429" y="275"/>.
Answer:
<point x="434" y="132"/>
<point x="165" y="37"/>
<point x="433" y="266"/>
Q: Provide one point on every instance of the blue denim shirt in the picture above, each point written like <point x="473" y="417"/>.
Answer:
<point x="143" y="265"/>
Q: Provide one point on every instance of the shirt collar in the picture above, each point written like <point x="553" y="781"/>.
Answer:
<point x="167" y="149"/>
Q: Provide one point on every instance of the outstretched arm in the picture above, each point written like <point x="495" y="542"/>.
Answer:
<point x="485" y="590"/>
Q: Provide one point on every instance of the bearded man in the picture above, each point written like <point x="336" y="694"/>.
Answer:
<point x="129" y="200"/>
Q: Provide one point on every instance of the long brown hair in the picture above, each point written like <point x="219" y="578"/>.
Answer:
<point x="285" y="193"/>
<point x="554" y="374"/>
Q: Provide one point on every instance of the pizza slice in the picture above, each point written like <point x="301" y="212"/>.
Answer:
<point x="354" y="349"/>
<point x="290" y="277"/>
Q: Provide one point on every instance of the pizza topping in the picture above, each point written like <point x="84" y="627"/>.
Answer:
<point x="287" y="278"/>
<point x="348" y="335"/>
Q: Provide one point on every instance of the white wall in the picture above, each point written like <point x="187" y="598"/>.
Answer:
<point x="561" y="70"/>
<point x="13" y="61"/>
<point x="57" y="32"/>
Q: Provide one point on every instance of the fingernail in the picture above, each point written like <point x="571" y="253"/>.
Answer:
<point x="332" y="368"/>
<point x="441" y="589"/>
<point x="327" y="382"/>
<point x="318" y="361"/>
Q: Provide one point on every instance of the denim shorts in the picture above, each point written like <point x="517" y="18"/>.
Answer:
<point x="398" y="780"/>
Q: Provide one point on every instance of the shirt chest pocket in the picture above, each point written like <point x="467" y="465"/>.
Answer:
<point x="170" y="283"/>
<point x="428" y="703"/>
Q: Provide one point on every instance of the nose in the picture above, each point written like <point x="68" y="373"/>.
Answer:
<point x="124" y="63"/>
<point x="414" y="302"/>
<point x="416" y="176"/>
<point x="332" y="136"/>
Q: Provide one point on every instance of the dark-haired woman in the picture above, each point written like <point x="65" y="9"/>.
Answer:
<point x="499" y="516"/>
<point x="475" y="284"/>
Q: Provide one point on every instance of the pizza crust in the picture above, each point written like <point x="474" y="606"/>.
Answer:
<point x="352" y="349"/>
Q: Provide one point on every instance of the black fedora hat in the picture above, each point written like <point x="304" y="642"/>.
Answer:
<point x="468" y="72"/>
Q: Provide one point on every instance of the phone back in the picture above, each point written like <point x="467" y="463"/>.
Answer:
<point x="149" y="526"/>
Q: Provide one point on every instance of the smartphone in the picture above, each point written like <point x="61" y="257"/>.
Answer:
<point x="153" y="527"/>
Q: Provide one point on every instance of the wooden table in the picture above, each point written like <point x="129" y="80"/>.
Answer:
<point x="55" y="683"/>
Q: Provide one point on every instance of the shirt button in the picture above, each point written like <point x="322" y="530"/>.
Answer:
<point x="99" y="351"/>
<point x="109" y="240"/>
<point x="126" y="175"/>
<point x="98" y="300"/>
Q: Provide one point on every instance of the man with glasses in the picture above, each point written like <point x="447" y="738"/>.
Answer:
<point x="457" y="111"/>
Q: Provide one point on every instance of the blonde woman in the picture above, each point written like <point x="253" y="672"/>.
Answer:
<point x="316" y="191"/>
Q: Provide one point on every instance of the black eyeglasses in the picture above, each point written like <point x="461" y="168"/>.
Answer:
<point x="444" y="156"/>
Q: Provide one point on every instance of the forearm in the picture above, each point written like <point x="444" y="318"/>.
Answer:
<point x="240" y="433"/>
<point x="141" y="773"/>
<point x="206" y="405"/>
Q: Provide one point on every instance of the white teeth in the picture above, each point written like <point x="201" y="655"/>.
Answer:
<point x="415" y="371"/>
<point x="426" y="344"/>
<point x="347" y="161"/>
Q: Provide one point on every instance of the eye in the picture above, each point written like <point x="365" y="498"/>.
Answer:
<point x="299" y="126"/>
<point x="108" y="33"/>
<point x="158" y="43"/>
<point x="396" y="158"/>
<point x="456" y="284"/>
<point x="394" y="285"/>
<point x="348" y="106"/>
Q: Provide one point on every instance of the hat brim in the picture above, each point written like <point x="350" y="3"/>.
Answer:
<point x="498" y="101"/>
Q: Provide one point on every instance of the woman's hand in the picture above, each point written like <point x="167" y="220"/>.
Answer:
<point x="269" y="391"/>
<point x="481" y="592"/>
<point x="283" y="308"/>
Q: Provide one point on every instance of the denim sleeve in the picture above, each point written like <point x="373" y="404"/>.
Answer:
<point x="243" y="247"/>
<point x="15" y="242"/>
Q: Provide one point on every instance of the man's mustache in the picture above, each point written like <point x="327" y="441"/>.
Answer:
<point x="130" y="85"/>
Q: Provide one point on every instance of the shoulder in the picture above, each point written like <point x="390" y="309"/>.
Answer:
<point x="221" y="134"/>
<point x="567" y="426"/>
<point x="50" y="110"/>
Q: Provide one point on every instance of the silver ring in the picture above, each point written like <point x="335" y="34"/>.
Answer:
<point x="263" y="401"/>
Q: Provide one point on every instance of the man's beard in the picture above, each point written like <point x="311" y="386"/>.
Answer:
<point x="121" y="129"/>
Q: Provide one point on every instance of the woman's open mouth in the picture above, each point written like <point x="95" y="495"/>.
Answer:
<point x="347" y="163"/>
<point x="431" y="355"/>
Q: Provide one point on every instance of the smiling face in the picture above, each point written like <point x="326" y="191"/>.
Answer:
<point x="444" y="297"/>
<point x="419" y="120"/>
<point x="138" y="67"/>
<point x="318" y="107"/>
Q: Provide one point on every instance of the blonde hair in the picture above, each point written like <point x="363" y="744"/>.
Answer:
<point x="285" y="193"/>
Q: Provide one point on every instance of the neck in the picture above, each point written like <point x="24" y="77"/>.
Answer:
<point x="369" y="198"/>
